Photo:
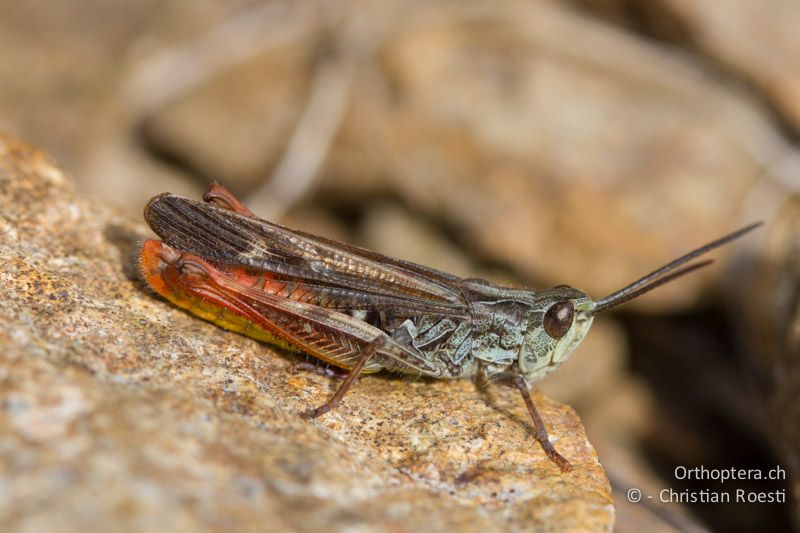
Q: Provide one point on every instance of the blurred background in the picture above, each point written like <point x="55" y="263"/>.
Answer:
<point x="532" y="143"/>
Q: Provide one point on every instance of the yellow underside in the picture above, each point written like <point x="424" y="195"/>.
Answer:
<point x="231" y="321"/>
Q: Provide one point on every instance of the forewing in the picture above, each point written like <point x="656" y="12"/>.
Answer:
<point x="361" y="275"/>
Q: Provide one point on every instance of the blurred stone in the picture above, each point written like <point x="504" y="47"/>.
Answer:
<point x="511" y="123"/>
<point x="118" y="411"/>
<point x="254" y="108"/>
<point x="64" y="69"/>
<point x="567" y="149"/>
<point x="312" y="219"/>
<point x="618" y="420"/>
<point x="648" y="18"/>
<point x="757" y="41"/>
<point x="394" y="231"/>
<point x="767" y="306"/>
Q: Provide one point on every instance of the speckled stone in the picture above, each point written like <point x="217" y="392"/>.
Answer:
<point x="119" y="411"/>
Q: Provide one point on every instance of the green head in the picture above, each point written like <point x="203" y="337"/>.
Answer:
<point x="556" y="326"/>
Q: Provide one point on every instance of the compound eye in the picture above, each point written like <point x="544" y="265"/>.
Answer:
<point x="558" y="319"/>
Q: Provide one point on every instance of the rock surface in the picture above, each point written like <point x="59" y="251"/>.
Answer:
<point x="771" y="330"/>
<point x="118" y="411"/>
<point x="757" y="41"/>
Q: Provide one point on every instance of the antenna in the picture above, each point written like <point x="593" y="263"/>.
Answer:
<point x="667" y="272"/>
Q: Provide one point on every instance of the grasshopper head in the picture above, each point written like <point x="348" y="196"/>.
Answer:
<point x="556" y="326"/>
<point x="562" y="315"/>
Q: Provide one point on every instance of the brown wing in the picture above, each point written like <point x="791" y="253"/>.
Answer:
<point x="359" y="278"/>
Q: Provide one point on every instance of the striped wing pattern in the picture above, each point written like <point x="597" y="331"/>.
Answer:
<point x="341" y="276"/>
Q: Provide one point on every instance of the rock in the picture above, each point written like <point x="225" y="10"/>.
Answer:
<point x="396" y="232"/>
<point x="71" y="98"/>
<point x="758" y="42"/>
<point x="768" y="314"/>
<point x="257" y="123"/>
<point x="119" y="411"/>
<point x="513" y="126"/>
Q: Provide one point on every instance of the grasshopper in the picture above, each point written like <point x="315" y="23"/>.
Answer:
<point x="363" y="312"/>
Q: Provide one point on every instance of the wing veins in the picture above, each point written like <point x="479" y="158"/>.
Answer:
<point x="229" y="237"/>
